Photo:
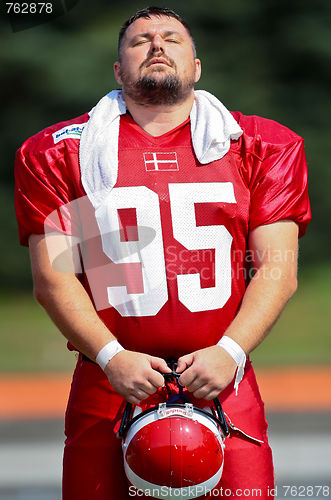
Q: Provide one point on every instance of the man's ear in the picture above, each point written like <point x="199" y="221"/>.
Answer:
<point x="197" y="70"/>
<point x="117" y="71"/>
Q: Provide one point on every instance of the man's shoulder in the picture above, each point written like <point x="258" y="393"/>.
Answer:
<point x="52" y="137"/>
<point x="265" y="130"/>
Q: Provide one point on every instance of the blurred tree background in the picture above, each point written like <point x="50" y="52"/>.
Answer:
<point x="265" y="57"/>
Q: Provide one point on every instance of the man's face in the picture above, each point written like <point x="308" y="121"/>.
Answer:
<point x="157" y="63"/>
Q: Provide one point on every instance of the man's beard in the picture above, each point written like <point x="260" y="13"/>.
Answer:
<point x="148" y="90"/>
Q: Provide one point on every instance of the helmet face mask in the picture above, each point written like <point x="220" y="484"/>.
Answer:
<point x="173" y="450"/>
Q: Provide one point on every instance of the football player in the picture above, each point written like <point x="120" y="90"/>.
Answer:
<point x="187" y="220"/>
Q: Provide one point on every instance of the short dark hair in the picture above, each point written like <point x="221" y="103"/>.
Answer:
<point x="146" y="13"/>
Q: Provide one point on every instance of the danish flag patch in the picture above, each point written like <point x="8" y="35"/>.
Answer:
<point x="160" y="161"/>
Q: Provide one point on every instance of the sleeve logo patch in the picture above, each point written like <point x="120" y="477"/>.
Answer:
<point x="73" y="131"/>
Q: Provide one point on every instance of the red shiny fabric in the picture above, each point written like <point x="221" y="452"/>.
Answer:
<point x="271" y="162"/>
<point x="275" y="172"/>
<point x="93" y="461"/>
<point x="267" y="170"/>
<point x="45" y="181"/>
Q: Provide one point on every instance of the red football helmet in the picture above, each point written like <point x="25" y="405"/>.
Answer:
<point x="173" y="450"/>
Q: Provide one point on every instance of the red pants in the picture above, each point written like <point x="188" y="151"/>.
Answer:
<point x="93" y="463"/>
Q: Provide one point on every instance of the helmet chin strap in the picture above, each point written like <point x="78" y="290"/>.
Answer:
<point x="180" y="398"/>
<point x="173" y="377"/>
<point x="125" y="421"/>
<point x="172" y="363"/>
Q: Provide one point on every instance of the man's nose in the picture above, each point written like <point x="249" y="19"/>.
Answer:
<point x="157" y="44"/>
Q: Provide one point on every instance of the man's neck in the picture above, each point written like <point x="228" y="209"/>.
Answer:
<point x="157" y="120"/>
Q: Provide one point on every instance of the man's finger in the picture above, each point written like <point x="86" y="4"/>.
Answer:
<point x="140" y="394"/>
<point x="212" y="395"/>
<point x="201" y="393"/>
<point x="131" y="398"/>
<point x="156" y="379"/>
<point x="195" y="385"/>
<point x="187" y="378"/>
<point x="159" y="364"/>
<point x="184" y="362"/>
<point x="148" y="387"/>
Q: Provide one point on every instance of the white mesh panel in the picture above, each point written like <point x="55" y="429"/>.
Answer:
<point x="147" y="250"/>
<point x="183" y="196"/>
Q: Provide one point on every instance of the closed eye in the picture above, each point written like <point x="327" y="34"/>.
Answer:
<point x="140" y="42"/>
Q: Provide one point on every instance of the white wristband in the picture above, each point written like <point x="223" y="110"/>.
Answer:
<point x="108" y="352"/>
<point x="239" y="356"/>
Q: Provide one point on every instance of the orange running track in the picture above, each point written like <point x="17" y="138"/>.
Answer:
<point x="43" y="396"/>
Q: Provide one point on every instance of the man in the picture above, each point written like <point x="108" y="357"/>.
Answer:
<point x="201" y="205"/>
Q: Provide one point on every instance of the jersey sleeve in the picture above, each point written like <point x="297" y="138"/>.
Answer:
<point x="42" y="187"/>
<point x="278" y="178"/>
<point x="281" y="191"/>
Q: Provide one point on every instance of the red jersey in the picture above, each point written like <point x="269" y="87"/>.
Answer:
<point x="166" y="265"/>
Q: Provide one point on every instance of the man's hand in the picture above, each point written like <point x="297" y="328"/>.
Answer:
<point x="207" y="371"/>
<point x="133" y="375"/>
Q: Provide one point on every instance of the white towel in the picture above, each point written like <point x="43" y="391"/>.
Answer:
<point x="212" y="128"/>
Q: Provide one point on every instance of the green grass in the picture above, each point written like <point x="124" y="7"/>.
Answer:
<point x="31" y="343"/>
<point x="29" y="340"/>
<point x="302" y="334"/>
